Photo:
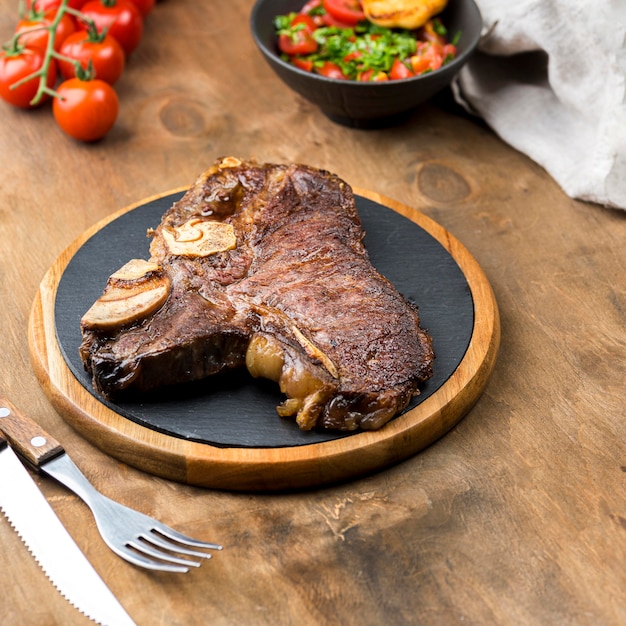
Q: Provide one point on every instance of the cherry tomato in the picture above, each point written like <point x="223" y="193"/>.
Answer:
<point x="85" y="109"/>
<point x="105" y="53"/>
<point x="449" y="52"/>
<point x="429" y="57"/>
<point x="327" y="19"/>
<point x="121" y="17"/>
<point x="331" y="70"/>
<point x="306" y="20"/>
<point x="371" y="76"/>
<point x="47" y="5"/>
<point x="17" y="65"/>
<point x="400" y="70"/>
<point x="301" y="41"/>
<point x="345" y="11"/>
<point x="308" y="7"/>
<point x="303" y="64"/>
<point x="35" y="34"/>
<point x="144" y="6"/>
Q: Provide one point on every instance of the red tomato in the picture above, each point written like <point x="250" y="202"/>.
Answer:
<point x="35" y="33"/>
<point x="47" y="5"/>
<point x="306" y="20"/>
<point x="18" y="65"/>
<point x="308" y="7"/>
<point x="85" y="109"/>
<point x="144" y="6"/>
<point x="331" y="70"/>
<point x="368" y="76"/>
<point x="106" y="55"/>
<point x="303" y="64"/>
<point x="301" y="41"/>
<point x="429" y="57"/>
<point x="330" y="20"/>
<point x="353" y="56"/>
<point x="121" y="17"/>
<point x="346" y="11"/>
<point x="449" y="51"/>
<point x="399" y="70"/>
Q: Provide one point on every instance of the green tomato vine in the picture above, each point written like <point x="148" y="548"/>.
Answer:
<point x="13" y="48"/>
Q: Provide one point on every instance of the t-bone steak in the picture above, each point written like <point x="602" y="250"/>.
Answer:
<point x="262" y="265"/>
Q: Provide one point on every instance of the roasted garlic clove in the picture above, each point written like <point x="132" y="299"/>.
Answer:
<point x="200" y="238"/>
<point x="133" y="292"/>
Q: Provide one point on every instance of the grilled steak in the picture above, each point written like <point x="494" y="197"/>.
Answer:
<point x="264" y="266"/>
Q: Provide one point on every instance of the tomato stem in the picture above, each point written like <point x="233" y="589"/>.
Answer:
<point x="93" y="35"/>
<point x="13" y="47"/>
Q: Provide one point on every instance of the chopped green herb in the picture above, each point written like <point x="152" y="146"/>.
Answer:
<point x="365" y="51"/>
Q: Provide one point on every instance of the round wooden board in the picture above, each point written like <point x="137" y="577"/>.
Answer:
<point x="246" y="466"/>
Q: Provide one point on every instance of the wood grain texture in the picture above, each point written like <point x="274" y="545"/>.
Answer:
<point x="263" y="468"/>
<point x="516" y="517"/>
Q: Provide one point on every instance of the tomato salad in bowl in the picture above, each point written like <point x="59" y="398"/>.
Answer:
<point x="334" y="38"/>
<point x="351" y="95"/>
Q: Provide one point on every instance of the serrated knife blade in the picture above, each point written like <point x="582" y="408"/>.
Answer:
<point x="52" y="546"/>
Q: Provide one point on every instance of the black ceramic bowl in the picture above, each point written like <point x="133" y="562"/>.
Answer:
<point x="371" y="104"/>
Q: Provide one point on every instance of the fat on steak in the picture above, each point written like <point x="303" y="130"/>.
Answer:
<point x="262" y="265"/>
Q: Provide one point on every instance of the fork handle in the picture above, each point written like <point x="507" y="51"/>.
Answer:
<point x="26" y="437"/>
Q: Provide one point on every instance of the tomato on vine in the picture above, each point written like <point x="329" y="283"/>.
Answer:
<point x="19" y="63"/>
<point x="47" y="5"/>
<point x="102" y="50"/>
<point x="120" y="18"/>
<point x="34" y="30"/>
<point x="85" y="109"/>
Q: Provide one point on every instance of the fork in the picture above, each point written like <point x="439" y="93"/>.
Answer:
<point x="134" y="536"/>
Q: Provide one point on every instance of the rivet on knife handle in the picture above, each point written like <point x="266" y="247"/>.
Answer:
<point x="26" y="437"/>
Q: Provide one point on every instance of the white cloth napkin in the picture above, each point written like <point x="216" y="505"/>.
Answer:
<point x="549" y="77"/>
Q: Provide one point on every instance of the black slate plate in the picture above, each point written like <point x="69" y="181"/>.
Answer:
<point x="236" y="410"/>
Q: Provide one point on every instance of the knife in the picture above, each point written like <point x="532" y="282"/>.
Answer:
<point x="48" y="541"/>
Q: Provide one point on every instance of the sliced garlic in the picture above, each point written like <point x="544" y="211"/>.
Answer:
<point x="133" y="292"/>
<point x="200" y="238"/>
<point x="228" y="162"/>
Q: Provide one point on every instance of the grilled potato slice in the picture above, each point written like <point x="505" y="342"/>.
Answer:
<point x="409" y="14"/>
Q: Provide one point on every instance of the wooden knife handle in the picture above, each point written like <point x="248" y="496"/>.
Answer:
<point x="26" y="437"/>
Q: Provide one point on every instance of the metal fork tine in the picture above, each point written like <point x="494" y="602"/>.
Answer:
<point x="121" y="527"/>
<point x="144" y="548"/>
<point x="136" y="559"/>
<point x="170" y="533"/>
<point x="156" y="539"/>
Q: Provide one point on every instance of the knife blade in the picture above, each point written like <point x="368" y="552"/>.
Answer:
<point x="52" y="546"/>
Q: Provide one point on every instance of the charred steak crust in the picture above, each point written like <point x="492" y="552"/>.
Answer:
<point x="262" y="265"/>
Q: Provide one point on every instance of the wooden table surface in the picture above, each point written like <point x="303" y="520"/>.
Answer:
<point x="517" y="516"/>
